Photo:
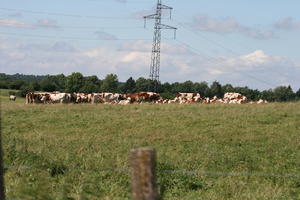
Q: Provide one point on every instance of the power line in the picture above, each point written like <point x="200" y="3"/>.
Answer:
<point x="67" y="15"/>
<point x="12" y="25"/>
<point x="68" y="38"/>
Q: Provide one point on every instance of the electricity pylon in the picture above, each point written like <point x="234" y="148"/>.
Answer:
<point x="155" y="57"/>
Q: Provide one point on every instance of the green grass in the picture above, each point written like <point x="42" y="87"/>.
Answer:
<point x="215" y="138"/>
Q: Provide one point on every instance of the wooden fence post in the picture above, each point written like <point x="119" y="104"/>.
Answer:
<point x="143" y="163"/>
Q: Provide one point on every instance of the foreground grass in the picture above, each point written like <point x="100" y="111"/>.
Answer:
<point x="57" y="139"/>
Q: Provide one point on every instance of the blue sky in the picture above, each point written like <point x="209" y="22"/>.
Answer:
<point x="254" y="43"/>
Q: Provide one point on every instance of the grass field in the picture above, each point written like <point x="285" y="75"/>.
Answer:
<point x="58" y="139"/>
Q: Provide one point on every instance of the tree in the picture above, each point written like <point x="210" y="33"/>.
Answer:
<point x="48" y="86"/>
<point x="216" y="90"/>
<point x="91" y="84"/>
<point x="187" y="86"/>
<point x="283" y="93"/>
<point x="129" y="86"/>
<point x="110" y="83"/>
<point x="60" y="81"/>
<point x="35" y="85"/>
<point x="74" y="82"/>
<point x="267" y="95"/>
<point x="227" y="88"/>
<point x="249" y="93"/>
<point x="167" y="91"/>
<point x="4" y="84"/>
<point x="142" y="84"/>
<point x="16" y="85"/>
<point x="201" y="88"/>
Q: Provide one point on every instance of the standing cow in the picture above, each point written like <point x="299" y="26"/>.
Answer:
<point x="12" y="98"/>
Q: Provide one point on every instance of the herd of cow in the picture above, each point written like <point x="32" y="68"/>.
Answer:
<point x="139" y="97"/>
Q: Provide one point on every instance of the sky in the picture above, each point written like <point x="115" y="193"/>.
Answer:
<point x="244" y="43"/>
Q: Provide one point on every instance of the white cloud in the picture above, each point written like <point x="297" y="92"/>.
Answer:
<point x="256" y="69"/>
<point x="228" y="25"/>
<point x="143" y="46"/>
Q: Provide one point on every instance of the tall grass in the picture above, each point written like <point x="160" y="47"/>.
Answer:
<point x="56" y="139"/>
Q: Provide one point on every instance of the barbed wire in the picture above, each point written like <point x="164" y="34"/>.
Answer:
<point x="63" y="168"/>
<point x="179" y="171"/>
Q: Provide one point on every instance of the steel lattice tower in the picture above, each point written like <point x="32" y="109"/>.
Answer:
<point x="155" y="57"/>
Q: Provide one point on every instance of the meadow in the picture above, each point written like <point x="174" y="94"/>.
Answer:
<point x="73" y="149"/>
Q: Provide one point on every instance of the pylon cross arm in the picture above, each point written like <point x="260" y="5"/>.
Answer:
<point x="163" y="26"/>
<point x="161" y="6"/>
<point x="153" y="16"/>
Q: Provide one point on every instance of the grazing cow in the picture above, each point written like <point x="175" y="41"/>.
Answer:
<point x="59" y="98"/>
<point x="188" y="95"/>
<point x="262" y="101"/>
<point x="45" y="98"/>
<point x="110" y="97"/>
<point x="213" y="100"/>
<point x="234" y="98"/>
<point x="125" y="102"/>
<point x="29" y="98"/>
<point x="206" y="100"/>
<point x="36" y="98"/>
<point x="140" y="97"/>
<point x="12" y="97"/>
<point x="95" y="98"/>
<point x="82" y="98"/>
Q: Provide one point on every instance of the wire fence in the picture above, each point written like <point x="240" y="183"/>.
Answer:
<point x="179" y="171"/>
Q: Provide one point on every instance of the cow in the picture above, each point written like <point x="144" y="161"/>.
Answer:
<point x="213" y="100"/>
<point x="96" y="98"/>
<point x="262" y="101"/>
<point x="125" y="102"/>
<point x="234" y="98"/>
<point x="81" y="98"/>
<point x="111" y="97"/>
<point x="140" y="97"/>
<point x="59" y="98"/>
<point x="32" y="97"/>
<point x="12" y="97"/>
<point x="188" y="95"/>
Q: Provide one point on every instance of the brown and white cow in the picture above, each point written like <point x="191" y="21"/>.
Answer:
<point x="32" y="97"/>
<point x="188" y="97"/>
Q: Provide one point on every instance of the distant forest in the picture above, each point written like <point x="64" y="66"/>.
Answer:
<point x="76" y="82"/>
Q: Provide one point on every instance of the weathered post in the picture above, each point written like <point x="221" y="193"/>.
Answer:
<point x="143" y="162"/>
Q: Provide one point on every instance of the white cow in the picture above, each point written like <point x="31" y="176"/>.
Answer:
<point x="12" y="97"/>
<point x="59" y="97"/>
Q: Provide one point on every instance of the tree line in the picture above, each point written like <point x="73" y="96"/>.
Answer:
<point x="76" y="82"/>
